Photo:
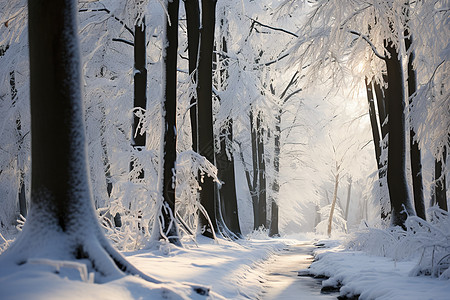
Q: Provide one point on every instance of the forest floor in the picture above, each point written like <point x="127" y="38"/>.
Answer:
<point x="256" y="268"/>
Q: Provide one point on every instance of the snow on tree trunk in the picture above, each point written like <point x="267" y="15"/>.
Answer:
<point x="396" y="173"/>
<point x="193" y="33"/>
<point x="205" y="117"/>
<point x="168" y="225"/>
<point x="440" y="185"/>
<point x="333" y="204"/>
<point x="62" y="223"/>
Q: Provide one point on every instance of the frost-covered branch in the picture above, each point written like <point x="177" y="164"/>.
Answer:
<point x="364" y="37"/>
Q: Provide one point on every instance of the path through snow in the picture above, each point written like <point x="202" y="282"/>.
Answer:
<point x="282" y="280"/>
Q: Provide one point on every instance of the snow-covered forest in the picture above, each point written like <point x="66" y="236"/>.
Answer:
<point x="166" y="149"/>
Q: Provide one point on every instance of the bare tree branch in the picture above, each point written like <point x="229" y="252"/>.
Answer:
<point x="273" y="28"/>
<point x="108" y="12"/>
<point x="123" y="41"/>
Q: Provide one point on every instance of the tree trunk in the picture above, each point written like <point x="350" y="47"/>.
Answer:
<point x="22" y="194"/>
<point x="276" y="168"/>
<point x="140" y="87"/>
<point x="205" y="118"/>
<point x="225" y="155"/>
<point x="226" y="173"/>
<point x="273" y="231"/>
<point x="262" y="202"/>
<point x="193" y="34"/>
<point x="396" y="173"/>
<point x="349" y="191"/>
<point x="374" y="124"/>
<point x="383" y="108"/>
<point x="168" y="224"/>
<point x="383" y="111"/>
<point x="62" y="210"/>
<point x="251" y="188"/>
<point x="254" y="191"/>
<point x="333" y="204"/>
<point x="440" y="185"/>
<point x="416" y="161"/>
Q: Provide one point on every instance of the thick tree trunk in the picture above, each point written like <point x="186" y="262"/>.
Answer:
<point x="205" y="118"/>
<point x="396" y="173"/>
<point x="169" y="228"/>
<point x="416" y="160"/>
<point x="193" y="33"/>
<point x="62" y="210"/>
<point x="225" y="155"/>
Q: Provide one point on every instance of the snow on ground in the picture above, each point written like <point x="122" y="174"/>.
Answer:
<point x="246" y="269"/>
<point x="374" y="277"/>
<point x="233" y="270"/>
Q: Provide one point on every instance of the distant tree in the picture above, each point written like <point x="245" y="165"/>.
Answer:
<point x="284" y="97"/>
<point x="256" y="180"/>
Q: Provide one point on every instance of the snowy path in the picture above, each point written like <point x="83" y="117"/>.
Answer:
<point x="283" y="282"/>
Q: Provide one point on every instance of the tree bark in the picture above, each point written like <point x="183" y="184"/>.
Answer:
<point x="415" y="155"/>
<point x="225" y="155"/>
<point x="349" y="191"/>
<point x="333" y="204"/>
<point x="205" y="119"/>
<point x="140" y="87"/>
<point x="374" y="124"/>
<point x="226" y="173"/>
<point x="193" y="34"/>
<point x="169" y="228"/>
<point x="396" y="173"/>
<point x="440" y="185"/>
<point x="262" y="203"/>
<point x="383" y="111"/>
<point x="254" y="191"/>
<point x="383" y="108"/>
<point x="273" y="231"/>
<point x="22" y="194"/>
<point x="276" y="168"/>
